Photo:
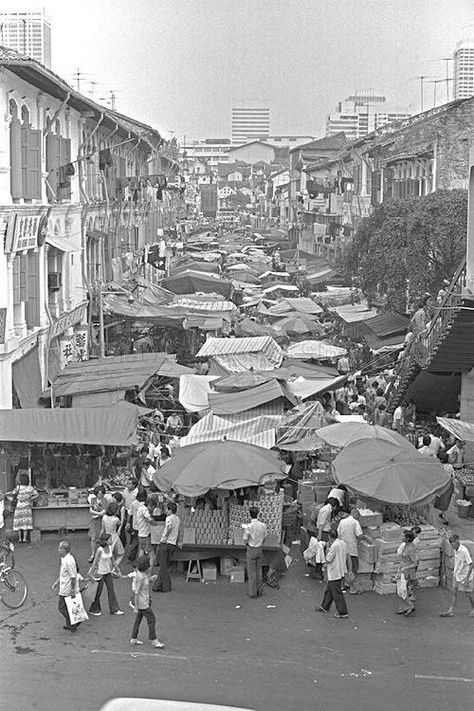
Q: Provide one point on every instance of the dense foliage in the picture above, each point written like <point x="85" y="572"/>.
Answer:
<point x="407" y="247"/>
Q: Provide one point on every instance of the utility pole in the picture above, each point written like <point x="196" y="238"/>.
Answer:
<point x="422" y="78"/>
<point x="447" y="79"/>
<point x="436" y="82"/>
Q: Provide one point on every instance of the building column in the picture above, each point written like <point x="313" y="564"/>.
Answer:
<point x="467" y="381"/>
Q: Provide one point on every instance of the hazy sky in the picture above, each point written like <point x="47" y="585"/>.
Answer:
<point x="181" y="64"/>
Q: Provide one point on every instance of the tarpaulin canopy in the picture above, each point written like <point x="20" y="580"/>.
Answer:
<point x="319" y="350"/>
<point x="204" y="322"/>
<point x="248" y="327"/>
<point x="230" y="402"/>
<point x="299" y="323"/>
<point x="113" y="426"/>
<point x="223" y="464"/>
<point x="233" y="355"/>
<point x="191" y="281"/>
<point x="194" y="391"/>
<point x="458" y="428"/>
<point x="384" y="471"/>
<point x="304" y="388"/>
<point x="115" y="373"/>
<point x="241" y="381"/>
<point x="256" y="426"/>
<point x="297" y="429"/>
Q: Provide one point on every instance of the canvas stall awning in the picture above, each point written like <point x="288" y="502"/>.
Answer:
<point x="256" y="426"/>
<point x="190" y="281"/>
<point x="233" y="355"/>
<point x="353" y="313"/>
<point x="112" y="426"/>
<point x="319" y="350"/>
<point x="460" y="429"/>
<point x="226" y="403"/>
<point x="194" y="391"/>
<point x="303" y="388"/>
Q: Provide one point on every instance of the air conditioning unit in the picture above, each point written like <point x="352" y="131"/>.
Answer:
<point x="55" y="281"/>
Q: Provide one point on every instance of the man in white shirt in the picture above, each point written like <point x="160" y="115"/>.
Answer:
<point x="463" y="576"/>
<point x="399" y="419"/>
<point x="337" y="560"/>
<point x="254" y="536"/>
<point x="350" y="531"/>
<point x="168" y="543"/>
<point x="67" y="582"/>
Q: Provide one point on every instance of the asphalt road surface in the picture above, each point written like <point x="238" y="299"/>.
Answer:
<point x="270" y="654"/>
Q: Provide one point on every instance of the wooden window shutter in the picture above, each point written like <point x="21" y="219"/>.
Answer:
<point x="16" y="280"/>
<point x="31" y="162"/>
<point x="53" y="161"/>
<point x="16" y="183"/>
<point x="23" y="277"/>
<point x="32" y="310"/>
<point x="65" y="153"/>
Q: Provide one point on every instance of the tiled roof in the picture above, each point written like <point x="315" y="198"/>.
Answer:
<point x="387" y="324"/>
<point x="333" y="142"/>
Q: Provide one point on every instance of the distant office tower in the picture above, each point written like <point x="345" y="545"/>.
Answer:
<point x="361" y="114"/>
<point x="464" y="69"/>
<point x="27" y="32"/>
<point x="249" y="123"/>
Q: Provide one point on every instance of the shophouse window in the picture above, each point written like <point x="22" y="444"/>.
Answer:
<point x="25" y="156"/>
<point x="58" y="163"/>
<point x="26" y="286"/>
<point x="55" y="281"/>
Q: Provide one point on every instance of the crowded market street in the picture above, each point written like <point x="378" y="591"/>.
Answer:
<point x="236" y="371"/>
<point x="275" y="656"/>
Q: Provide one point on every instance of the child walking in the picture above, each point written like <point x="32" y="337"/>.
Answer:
<point x="143" y="603"/>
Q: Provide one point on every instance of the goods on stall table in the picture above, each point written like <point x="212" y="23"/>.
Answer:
<point x="270" y="512"/>
<point x="407" y="516"/>
<point x="210" y="527"/>
<point x="387" y="538"/>
<point x="369" y="517"/>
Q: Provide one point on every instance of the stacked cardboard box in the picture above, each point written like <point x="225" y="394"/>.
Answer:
<point x="210" y="527"/>
<point x="270" y="512"/>
<point x="387" y="538"/>
<point x="429" y="557"/>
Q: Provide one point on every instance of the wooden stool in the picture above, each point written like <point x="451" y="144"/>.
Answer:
<point x="194" y="576"/>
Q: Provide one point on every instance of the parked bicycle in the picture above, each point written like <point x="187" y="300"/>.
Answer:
<point x="13" y="587"/>
<point x="7" y="557"/>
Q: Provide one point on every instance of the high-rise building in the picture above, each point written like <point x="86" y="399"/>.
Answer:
<point x="249" y="123"/>
<point x="464" y="69"/>
<point x="361" y="114"/>
<point x="28" y="32"/>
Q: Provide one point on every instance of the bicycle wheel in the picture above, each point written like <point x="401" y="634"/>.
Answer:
<point x="7" y="558"/>
<point x="13" y="589"/>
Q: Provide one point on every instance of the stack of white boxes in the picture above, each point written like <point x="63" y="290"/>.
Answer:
<point x="429" y="557"/>
<point x="387" y="538"/>
<point x="270" y="509"/>
<point x="205" y="527"/>
<point x="367" y="553"/>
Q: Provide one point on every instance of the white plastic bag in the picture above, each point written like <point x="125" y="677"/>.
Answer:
<point x="402" y="589"/>
<point x="75" y="608"/>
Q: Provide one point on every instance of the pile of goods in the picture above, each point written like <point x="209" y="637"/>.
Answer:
<point x="204" y="527"/>
<point x="270" y="509"/>
<point x="61" y="498"/>
<point x="429" y="557"/>
<point x="387" y="538"/>
<point x="406" y="516"/>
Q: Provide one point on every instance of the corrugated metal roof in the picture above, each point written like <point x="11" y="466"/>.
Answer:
<point x="352" y="313"/>
<point x="256" y="426"/>
<point x="113" y="373"/>
<point x="200" y="305"/>
<point x="238" y="362"/>
<point x="387" y="324"/>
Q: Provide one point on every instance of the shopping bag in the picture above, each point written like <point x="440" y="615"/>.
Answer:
<point x="402" y="589"/>
<point x="75" y="608"/>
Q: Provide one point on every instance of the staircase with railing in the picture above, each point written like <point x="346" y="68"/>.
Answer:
<point x="452" y="325"/>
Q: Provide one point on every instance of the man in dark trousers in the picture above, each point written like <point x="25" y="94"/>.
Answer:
<point x="168" y="543"/>
<point x="337" y="567"/>
<point x="255" y="533"/>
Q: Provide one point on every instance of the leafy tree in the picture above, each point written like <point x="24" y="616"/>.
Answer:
<point x="406" y="247"/>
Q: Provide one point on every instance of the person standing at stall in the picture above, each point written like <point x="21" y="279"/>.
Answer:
<point x="254" y="535"/>
<point x="97" y="510"/>
<point x="168" y="543"/>
<point x="24" y="494"/>
<point x="463" y="576"/>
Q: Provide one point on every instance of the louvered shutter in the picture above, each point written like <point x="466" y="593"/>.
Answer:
<point x="65" y="158"/>
<point x="23" y="277"/>
<point x="16" y="280"/>
<point x="32" y="309"/>
<point x="16" y="182"/>
<point x="31" y="162"/>
<point x="53" y="161"/>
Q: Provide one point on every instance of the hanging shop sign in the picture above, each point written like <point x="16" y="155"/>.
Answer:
<point x="23" y="233"/>
<point x="75" y="348"/>
<point x="67" y="320"/>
